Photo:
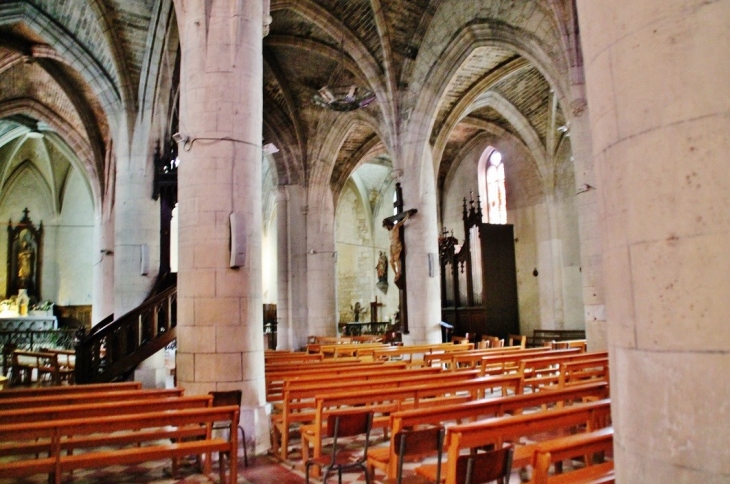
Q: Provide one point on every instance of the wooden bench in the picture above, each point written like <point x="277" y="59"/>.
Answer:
<point x="24" y="364"/>
<point x="473" y="359"/>
<point x="386" y="401"/>
<point x="545" y="370"/>
<point x="275" y="379"/>
<point x="291" y="357"/>
<point x="498" y="364"/>
<point x="581" y="371"/>
<point x="495" y="431"/>
<point x="542" y="336"/>
<point x="385" y="458"/>
<point x="445" y="358"/>
<point x="584" y="446"/>
<point x="92" y="397"/>
<point x="69" y="389"/>
<point x="299" y="404"/>
<point x="97" y="436"/>
<point x="399" y="372"/>
<point x="573" y="343"/>
<point x="408" y="352"/>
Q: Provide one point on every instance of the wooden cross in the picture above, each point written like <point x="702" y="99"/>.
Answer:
<point x="374" y="310"/>
<point x="398" y="251"/>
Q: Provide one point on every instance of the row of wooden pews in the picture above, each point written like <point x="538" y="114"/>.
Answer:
<point x="47" y="366"/>
<point x="56" y="430"/>
<point x="453" y="388"/>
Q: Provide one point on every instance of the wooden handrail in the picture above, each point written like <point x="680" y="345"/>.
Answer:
<point x="109" y="352"/>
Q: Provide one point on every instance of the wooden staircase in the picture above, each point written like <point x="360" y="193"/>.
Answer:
<point x="113" y="348"/>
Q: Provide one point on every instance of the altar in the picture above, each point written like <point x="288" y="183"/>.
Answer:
<point x="28" y="323"/>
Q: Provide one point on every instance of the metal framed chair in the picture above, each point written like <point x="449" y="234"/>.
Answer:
<point x="423" y="442"/>
<point x="481" y="468"/>
<point x="224" y="398"/>
<point x="339" y="425"/>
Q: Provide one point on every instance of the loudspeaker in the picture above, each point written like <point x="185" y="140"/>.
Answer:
<point x="238" y="239"/>
<point x="144" y="259"/>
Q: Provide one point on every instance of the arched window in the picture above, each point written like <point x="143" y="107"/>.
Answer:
<point x="492" y="188"/>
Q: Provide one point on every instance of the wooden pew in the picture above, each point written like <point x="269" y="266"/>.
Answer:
<point x="495" y="365"/>
<point x="540" y="337"/>
<point x="96" y="435"/>
<point x="583" y="445"/>
<point x="581" y="371"/>
<point x="588" y="416"/>
<point x="291" y="357"/>
<point x="352" y="349"/>
<point x="93" y="410"/>
<point x="385" y="458"/>
<point x="390" y="400"/>
<point x="473" y="359"/>
<point x="545" y="370"/>
<point x="356" y="376"/>
<point x="445" y="358"/>
<point x="70" y="389"/>
<point x="275" y="379"/>
<point x="76" y="398"/>
<point x="25" y="363"/>
<point x="66" y="363"/>
<point x="408" y="352"/>
<point x="299" y="404"/>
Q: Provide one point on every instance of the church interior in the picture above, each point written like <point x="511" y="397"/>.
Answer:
<point x="196" y="188"/>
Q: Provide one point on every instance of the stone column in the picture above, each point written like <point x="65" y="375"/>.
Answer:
<point x="136" y="222"/>
<point x="103" y="289"/>
<point x="657" y="81"/>
<point x="590" y="244"/>
<point x="421" y="239"/>
<point x="321" y="264"/>
<point x="298" y="286"/>
<point x="283" y="316"/>
<point x="220" y="314"/>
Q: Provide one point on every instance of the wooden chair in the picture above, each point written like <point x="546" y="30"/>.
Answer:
<point x="422" y="443"/>
<point x="461" y="339"/>
<point x="494" y="465"/>
<point x="492" y="342"/>
<point x="225" y="398"/>
<point x="517" y="340"/>
<point x="343" y="424"/>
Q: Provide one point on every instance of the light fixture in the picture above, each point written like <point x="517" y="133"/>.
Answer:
<point x="339" y="95"/>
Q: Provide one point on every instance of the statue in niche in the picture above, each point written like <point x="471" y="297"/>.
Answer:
<point x="24" y="257"/>
<point x="382" y="271"/>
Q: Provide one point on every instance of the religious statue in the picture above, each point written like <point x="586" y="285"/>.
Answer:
<point x="382" y="272"/>
<point x="26" y="257"/>
<point x="357" y="310"/>
<point x="396" y="246"/>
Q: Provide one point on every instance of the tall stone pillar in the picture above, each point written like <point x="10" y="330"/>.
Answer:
<point x="136" y="223"/>
<point x="590" y="243"/>
<point x="321" y="263"/>
<point x="421" y="243"/>
<point x="657" y="80"/>
<point x="103" y="272"/>
<point x="220" y="314"/>
<point x="283" y="315"/>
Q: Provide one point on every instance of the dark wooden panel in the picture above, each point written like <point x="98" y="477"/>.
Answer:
<point x="499" y="280"/>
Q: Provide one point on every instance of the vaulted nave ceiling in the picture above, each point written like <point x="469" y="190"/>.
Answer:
<point x="494" y="90"/>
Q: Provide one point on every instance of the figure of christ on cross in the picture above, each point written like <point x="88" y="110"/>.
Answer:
<point x="394" y="224"/>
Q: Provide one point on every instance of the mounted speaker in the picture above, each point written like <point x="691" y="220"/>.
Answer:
<point x="144" y="259"/>
<point x="238" y="239"/>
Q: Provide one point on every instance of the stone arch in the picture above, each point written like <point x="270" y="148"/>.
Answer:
<point x="76" y="141"/>
<point x="104" y="85"/>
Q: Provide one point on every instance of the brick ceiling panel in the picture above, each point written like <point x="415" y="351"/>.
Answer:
<point x="346" y="163"/>
<point x="357" y="15"/>
<point x="529" y="92"/>
<point x="31" y="81"/>
<point x="490" y="115"/>
<point x="132" y="21"/>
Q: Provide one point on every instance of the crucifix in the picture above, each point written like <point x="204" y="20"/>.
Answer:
<point x="395" y="225"/>
<point x="374" y="310"/>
